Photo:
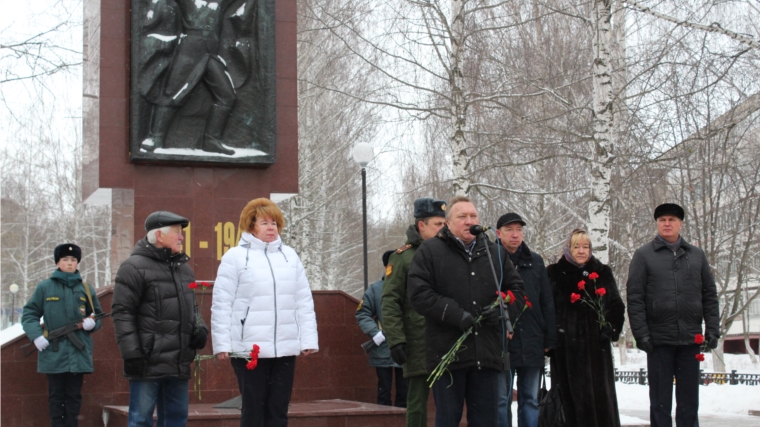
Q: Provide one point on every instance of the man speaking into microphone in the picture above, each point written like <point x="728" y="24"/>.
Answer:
<point x="454" y="278"/>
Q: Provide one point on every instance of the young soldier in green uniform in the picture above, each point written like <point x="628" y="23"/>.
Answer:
<point x="404" y="328"/>
<point x="63" y="299"/>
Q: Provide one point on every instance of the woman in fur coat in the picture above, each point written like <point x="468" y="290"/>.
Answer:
<point x="582" y="365"/>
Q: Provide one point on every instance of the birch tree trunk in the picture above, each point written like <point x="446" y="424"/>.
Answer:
<point x="458" y="107"/>
<point x="601" y="165"/>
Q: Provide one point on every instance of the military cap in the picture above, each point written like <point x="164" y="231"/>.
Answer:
<point x="164" y="219"/>
<point x="67" y="249"/>
<point x="509" y="218"/>
<point x="427" y="207"/>
<point x="669" y="209"/>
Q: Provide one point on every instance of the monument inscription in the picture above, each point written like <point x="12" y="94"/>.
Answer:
<point x="203" y="81"/>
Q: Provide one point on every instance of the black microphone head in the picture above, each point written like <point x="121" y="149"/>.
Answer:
<point x="477" y="229"/>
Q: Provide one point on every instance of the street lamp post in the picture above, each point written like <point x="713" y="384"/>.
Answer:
<point x="363" y="154"/>
<point x="14" y="291"/>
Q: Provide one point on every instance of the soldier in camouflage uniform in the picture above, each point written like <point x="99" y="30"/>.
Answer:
<point x="404" y="328"/>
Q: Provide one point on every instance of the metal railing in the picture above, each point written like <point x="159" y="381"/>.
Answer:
<point x="705" y="378"/>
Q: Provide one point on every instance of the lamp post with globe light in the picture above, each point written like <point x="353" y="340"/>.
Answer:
<point x="363" y="154"/>
<point x="14" y="291"/>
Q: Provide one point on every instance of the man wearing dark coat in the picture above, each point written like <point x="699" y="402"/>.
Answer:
<point x="671" y="290"/>
<point x="535" y="331"/>
<point x="404" y="327"/>
<point x="452" y="282"/>
<point x="156" y="323"/>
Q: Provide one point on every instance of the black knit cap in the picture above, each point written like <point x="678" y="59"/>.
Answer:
<point x="427" y="207"/>
<point x="669" y="209"/>
<point x="164" y="219"/>
<point x="509" y="218"/>
<point x="67" y="249"/>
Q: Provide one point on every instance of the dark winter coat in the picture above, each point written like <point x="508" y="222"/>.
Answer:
<point x="154" y="312"/>
<point x="370" y="320"/>
<point x="62" y="300"/>
<point x="403" y="325"/>
<point x="669" y="294"/>
<point x="534" y="331"/>
<point x="582" y="365"/>
<point x="444" y="281"/>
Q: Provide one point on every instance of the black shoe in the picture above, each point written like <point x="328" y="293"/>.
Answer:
<point x="213" y="145"/>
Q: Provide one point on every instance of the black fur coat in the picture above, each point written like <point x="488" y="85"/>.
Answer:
<point x="582" y="366"/>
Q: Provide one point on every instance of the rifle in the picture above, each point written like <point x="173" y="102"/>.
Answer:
<point x="369" y="346"/>
<point x="54" y="335"/>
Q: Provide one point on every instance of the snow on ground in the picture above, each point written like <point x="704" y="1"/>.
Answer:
<point x="637" y="359"/>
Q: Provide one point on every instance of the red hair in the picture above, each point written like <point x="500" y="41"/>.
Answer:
<point x="260" y="208"/>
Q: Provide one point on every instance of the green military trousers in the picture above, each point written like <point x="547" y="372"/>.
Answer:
<point x="416" y="401"/>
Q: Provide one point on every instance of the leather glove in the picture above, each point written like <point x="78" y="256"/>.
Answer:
<point x="645" y="345"/>
<point x="88" y="324"/>
<point x="198" y="338"/>
<point x="41" y="343"/>
<point x="378" y="338"/>
<point x="134" y="367"/>
<point x="398" y="354"/>
<point x="606" y="333"/>
<point x="492" y="316"/>
<point x="467" y="321"/>
<point x="712" y="342"/>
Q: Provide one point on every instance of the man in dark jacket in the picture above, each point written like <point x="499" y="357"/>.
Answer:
<point x="670" y="292"/>
<point x="369" y="316"/>
<point x="452" y="283"/>
<point x="404" y="327"/>
<point x="157" y="324"/>
<point x="535" y="330"/>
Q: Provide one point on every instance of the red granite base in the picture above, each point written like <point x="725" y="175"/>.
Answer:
<point x="319" y="413"/>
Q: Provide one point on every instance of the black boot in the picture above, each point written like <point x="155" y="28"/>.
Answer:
<point x="162" y="118"/>
<point x="215" y="124"/>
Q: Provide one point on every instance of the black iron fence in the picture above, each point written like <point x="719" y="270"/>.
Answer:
<point x="733" y="378"/>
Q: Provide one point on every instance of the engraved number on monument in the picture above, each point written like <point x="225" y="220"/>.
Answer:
<point x="203" y="81"/>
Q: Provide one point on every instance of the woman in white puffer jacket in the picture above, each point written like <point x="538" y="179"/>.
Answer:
<point x="262" y="297"/>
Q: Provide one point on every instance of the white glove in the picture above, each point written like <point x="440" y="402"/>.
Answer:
<point x="379" y="338"/>
<point x="88" y="323"/>
<point x="41" y="343"/>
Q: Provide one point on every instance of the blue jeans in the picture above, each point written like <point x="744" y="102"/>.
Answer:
<point x="478" y="387"/>
<point x="169" y="395"/>
<point x="505" y="399"/>
<point x="528" y="383"/>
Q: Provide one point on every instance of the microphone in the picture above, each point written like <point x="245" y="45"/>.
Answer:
<point x="477" y="229"/>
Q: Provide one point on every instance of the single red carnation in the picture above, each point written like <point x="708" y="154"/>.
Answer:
<point x="593" y="275"/>
<point x="511" y="297"/>
<point x="502" y="295"/>
<point x="600" y="292"/>
<point x="205" y="284"/>
<point x="192" y="285"/>
<point x="699" y="338"/>
<point x="574" y="297"/>
<point x="528" y="303"/>
<point x="700" y="357"/>
<point x="581" y="285"/>
<point x="252" y="364"/>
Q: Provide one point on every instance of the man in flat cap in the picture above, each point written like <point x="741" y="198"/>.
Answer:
<point x="536" y="332"/>
<point x="404" y="328"/>
<point x="671" y="290"/>
<point x="63" y="299"/>
<point x="156" y="323"/>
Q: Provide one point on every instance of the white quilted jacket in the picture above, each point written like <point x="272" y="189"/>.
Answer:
<point x="261" y="296"/>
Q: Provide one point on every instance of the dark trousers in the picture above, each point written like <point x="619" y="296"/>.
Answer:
<point x="664" y="363"/>
<point x="478" y="387"/>
<point x="266" y="391"/>
<point x="416" y="402"/>
<point x="64" y="398"/>
<point x="385" y="383"/>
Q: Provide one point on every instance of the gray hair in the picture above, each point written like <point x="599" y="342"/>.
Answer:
<point x="152" y="233"/>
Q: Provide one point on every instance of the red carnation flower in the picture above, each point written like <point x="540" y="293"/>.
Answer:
<point x="528" y="303"/>
<point x="502" y="295"/>
<point x="252" y="364"/>
<point x="192" y="285"/>
<point x="574" y="297"/>
<point x="600" y="292"/>
<point x="511" y="297"/>
<point x="205" y="284"/>
<point x="699" y="338"/>
<point x="700" y="357"/>
<point x="593" y="275"/>
<point x="582" y="285"/>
